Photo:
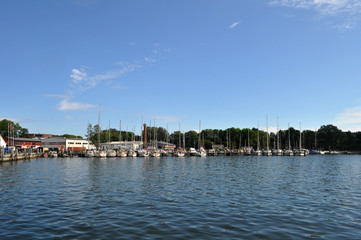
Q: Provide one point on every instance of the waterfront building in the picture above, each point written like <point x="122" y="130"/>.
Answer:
<point x="122" y="145"/>
<point x="23" y="142"/>
<point x="63" y="144"/>
<point x="2" y="142"/>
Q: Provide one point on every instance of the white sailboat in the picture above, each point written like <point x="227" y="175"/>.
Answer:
<point x="257" y="152"/>
<point x="201" y="152"/>
<point x="300" y="152"/>
<point x="278" y="151"/>
<point x="267" y="152"/>
<point x="248" y="150"/>
<point x="99" y="152"/>
<point x="111" y="153"/>
<point x="289" y="152"/>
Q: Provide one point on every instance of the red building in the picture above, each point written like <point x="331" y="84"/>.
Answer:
<point x="23" y="142"/>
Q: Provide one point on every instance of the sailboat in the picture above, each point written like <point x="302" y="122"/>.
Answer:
<point x="289" y="152"/>
<point x="300" y="152"/>
<point x="267" y="152"/>
<point x="144" y="152"/>
<point x="201" y="152"/>
<point x="99" y="152"/>
<point x="180" y="152"/>
<point x="257" y="152"/>
<point x="278" y="151"/>
<point x="248" y="150"/>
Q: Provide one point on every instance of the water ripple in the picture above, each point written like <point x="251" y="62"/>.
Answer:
<point x="171" y="198"/>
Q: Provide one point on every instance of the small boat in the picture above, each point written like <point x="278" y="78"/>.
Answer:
<point x="132" y="153"/>
<point x="202" y="152"/>
<point x="164" y="153"/>
<point x="288" y="152"/>
<point x="211" y="152"/>
<point x="267" y="152"/>
<point x="299" y="152"/>
<point x="277" y="152"/>
<point x="53" y="154"/>
<point x="100" y="154"/>
<point x="180" y="153"/>
<point x="248" y="151"/>
<point x="111" y="153"/>
<point x="257" y="153"/>
<point x="89" y="153"/>
<point x="155" y="153"/>
<point x="192" y="152"/>
<point x="122" y="153"/>
<point x="143" y="153"/>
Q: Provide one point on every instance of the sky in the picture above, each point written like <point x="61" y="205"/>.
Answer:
<point x="226" y="63"/>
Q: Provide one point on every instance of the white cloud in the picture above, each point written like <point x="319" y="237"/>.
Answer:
<point x="349" y="119"/>
<point x="15" y="119"/>
<point x="66" y="105"/>
<point x="150" y="60"/>
<point x="349" y="10"/>
<point x="233" y="25"/>
<point x="82" y="81"/>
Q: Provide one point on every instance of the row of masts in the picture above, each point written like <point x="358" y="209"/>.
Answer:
<point x="200" y="139"/>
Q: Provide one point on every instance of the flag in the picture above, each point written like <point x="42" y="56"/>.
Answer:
<point x="12" y="127"/>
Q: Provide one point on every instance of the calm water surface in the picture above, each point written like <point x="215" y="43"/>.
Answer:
<point x="189" y="198"/>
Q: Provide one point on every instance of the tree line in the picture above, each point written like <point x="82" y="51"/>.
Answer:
<point x="327" y="137"/>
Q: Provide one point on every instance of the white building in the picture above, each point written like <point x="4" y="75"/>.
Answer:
<point x="57" y="144"/>
<point x="126" y="145"/>
<point x="2" y="142"/>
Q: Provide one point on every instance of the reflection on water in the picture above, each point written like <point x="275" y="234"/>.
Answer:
<point x="206" y="198"/>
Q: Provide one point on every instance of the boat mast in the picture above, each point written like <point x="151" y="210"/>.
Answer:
<point x="248" y="140"/>
<point x="88" y="135"/>
<point x="109" y="132"/>
<point x="278" y="135"/>
<point x="267" y="131"/>
<point x="141" y="131"/>
<point x="315" y="138"/>
<point x="145" y="136"/>
<point x="199" y="136"/>
<point x="179" y="144"/>
<point x="240" y="140"/>
<point x="258" y="136"/>
<point x="98" y="140"/>
<point x="289" y="137"/>
<point x="300" y="147"/>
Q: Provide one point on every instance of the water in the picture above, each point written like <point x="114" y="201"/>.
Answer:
<point x="189" y="198"/>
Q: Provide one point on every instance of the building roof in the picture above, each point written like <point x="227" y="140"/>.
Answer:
<point x="26" y="139"/>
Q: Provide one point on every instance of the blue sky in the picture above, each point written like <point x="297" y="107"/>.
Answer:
<point x="226" y="63"/>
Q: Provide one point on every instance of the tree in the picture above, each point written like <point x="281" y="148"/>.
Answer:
<point x="15" y="129"/>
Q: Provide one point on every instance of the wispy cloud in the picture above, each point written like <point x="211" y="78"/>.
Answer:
<point x="15" y="119"/>
<point x="233" y="25"/>
<point x="349" y="119"/>
<point x="67" y="105"/>
<point x="82" y="81"/>
<point x="349" y="10"/>
<point x="149" y="59"/>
